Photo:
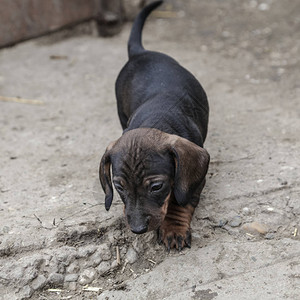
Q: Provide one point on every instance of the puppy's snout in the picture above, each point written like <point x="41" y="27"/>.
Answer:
<point x="141" y="226"/>
<point x="140" y="229"/>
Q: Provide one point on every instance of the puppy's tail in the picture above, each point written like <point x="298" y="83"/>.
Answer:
<point x="135" y="40"/>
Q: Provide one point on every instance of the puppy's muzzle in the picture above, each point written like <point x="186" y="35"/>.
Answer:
<point x="138" y="225"/>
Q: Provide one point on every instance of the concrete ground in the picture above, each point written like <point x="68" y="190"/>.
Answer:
<point x="56" y="239"/>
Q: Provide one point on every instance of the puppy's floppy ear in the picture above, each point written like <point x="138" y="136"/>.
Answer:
<point x="105" y="175"/>
<point x="191" y="165"/>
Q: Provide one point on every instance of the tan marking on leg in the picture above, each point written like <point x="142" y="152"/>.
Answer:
<point x="175" y="230"/>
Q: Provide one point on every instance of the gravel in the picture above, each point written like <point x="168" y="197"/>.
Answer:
<point x="25" y="292"/>
<point x="73" y="267"/>
<point x="131" y="256"/>
<point x="87" y="276"/>
<point x="255" y="228"/>
<point x="39" y="282"/>
<point x="236" y="221"/>
<point x="103" y="268"/>
<point x="71" y="277"/>
<point x="55" y="279"/>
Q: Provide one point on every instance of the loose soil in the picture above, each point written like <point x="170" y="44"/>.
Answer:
<point x="56" y="239"/>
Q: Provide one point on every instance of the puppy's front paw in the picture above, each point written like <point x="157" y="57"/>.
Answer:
<point x="174" y="236"/>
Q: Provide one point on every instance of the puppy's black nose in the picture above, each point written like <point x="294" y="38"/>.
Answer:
<point x="140" y="229"/>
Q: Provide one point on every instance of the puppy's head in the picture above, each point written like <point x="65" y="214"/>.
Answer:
<point x="149" y="167"/>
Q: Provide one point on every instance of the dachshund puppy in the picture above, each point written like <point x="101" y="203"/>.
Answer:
<point x="159" y="163"/>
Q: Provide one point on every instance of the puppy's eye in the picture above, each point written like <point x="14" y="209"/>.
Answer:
<point x="119" y="187"/>
<point x="156" y="186"/>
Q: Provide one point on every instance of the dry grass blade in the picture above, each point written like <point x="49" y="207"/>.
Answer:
<point x="21" y="100"/>
<point x="152" y="261"/>
<point x="92" y="289"/>
<point x="123" y="269"/>
<point x="118" y="255"/>
<point x="295" y="232"/>
<point x="55" y="290"/>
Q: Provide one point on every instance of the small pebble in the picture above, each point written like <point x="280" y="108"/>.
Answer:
<point x="39" y="282"/>
<point x="55" y="278"/>
<point x="29" y="274"/>
<point x="73" y="268"/>
<point x="94" y="260"/>
<point x="103" y="268"/>
<point x="87" y="276"/>
<point x="255" y="227"/>
<point x="71" y="258"/>
<point x="270" y="236"/>
<point x="246" y="211"/>
<point x="61" y="268"/>
<point x="53" y="266"/>
<point x="137" y="245"/>
<point x="25" y="292"/>
<point x="104" y="252"/>
<point x="114" y="264"/>
<point x="86" y="251"/>
<point x="236" y="221"/>
<point x="131" y="256"/>
<point x="72" y="286"/>
<point x="222" y="223"/>
<point x="71" y="277"/>
<point x="62" y="256"/>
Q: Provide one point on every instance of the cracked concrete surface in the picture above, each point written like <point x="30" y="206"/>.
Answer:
<point x="52" y="219"/>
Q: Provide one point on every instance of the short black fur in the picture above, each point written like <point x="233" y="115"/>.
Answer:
<point x="154" y="91"/>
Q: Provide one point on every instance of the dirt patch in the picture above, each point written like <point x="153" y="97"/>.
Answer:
<point x="56" y="239"/>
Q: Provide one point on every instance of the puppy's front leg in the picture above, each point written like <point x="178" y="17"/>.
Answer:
<point x="175" y="230"/>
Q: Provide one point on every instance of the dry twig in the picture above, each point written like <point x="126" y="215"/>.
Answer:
<point x="152" y="261"/>
<point x="21" y="100"/>
<point x="118" y="255"/>
<point x="295" y="232"/>
<point x="92" y="289"/>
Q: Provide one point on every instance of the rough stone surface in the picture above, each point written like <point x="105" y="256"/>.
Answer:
<point x="114" y="264"/>
<point x="73" y="267"/>
<point x="236" y="221"/>
<point x="104" y="252"/>
<point x="246" y="211"/>
<point x="131" y="256"/>
<point x="25" y="292"/>
<point x="87" y="276"/>
<point x="103" y="268"/>
<point x="39" y="282"/>
<point x="56" y="279"/>
<point x="94" y="260"/>
<point x="52" y="266"/>
<point x="86" y="251"/>
<point x="255" y="227"/>
<point x="71" y="277"/>
<point x="51" y="199"/>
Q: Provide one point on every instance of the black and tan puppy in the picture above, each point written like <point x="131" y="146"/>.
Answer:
<point x="158" y="164"/>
